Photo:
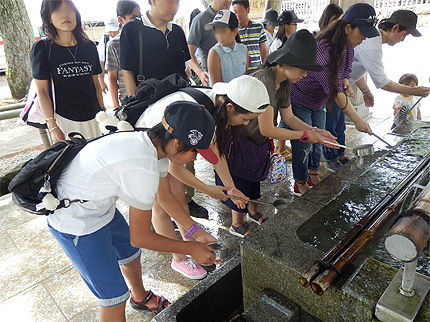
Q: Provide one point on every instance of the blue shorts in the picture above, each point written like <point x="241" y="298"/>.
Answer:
<point x="97" y="257"/>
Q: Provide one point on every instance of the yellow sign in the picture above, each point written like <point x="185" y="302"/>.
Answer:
<point x="257" y="8"/>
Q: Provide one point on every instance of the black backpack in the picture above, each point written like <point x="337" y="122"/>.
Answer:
<point x="44" y="171"/>
<point x="151" y="90"/>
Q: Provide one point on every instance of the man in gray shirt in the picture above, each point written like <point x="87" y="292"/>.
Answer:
<point x="204" y="39"/>
<point x="126" y="10"/>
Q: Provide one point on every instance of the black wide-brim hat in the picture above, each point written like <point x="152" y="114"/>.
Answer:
<point x="300" y="50"/>
<point x="271" y="18"/>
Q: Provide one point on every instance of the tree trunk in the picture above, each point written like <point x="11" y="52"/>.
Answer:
<point x="273" y="4"/>
<point x="206" y="3"/>
<point x="18" y="36"/>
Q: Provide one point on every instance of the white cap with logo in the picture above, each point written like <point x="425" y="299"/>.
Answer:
<point x="111" y="24"/>
<point x="246" y="91"/>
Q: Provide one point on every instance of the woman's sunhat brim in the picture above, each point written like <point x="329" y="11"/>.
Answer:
<point x="287" y="60"/>
<point x="312" y="68"/>
<point x="270" y="22"/>
<point x="212" y="25"/>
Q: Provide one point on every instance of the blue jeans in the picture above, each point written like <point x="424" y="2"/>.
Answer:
<point x="301" y="160"/>
<point x="335" y="123"/>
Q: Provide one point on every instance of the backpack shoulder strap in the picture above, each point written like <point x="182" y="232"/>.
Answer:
<point x="140" y="75"/>
<point x="199" y="96"/>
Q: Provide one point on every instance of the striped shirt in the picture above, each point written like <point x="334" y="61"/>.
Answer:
<point x="314" y="90"/>
<point x="252" y="36"/>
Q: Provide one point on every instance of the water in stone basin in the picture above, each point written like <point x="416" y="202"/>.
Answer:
<point x="332" y="222"/>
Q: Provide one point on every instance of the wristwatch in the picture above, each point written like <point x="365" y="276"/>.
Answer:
<point x="305" y="136"/>
<point x="365" y="91"/>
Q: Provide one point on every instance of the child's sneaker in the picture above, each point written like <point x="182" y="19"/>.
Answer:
<point x="189" y="269"/>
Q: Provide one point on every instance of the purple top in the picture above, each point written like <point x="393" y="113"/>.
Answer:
<point x="314" y="90"/>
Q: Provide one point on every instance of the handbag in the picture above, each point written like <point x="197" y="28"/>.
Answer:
<point x="247" y="160"/>
<point x="278" y="168"/>
<point x="32" y="114"/>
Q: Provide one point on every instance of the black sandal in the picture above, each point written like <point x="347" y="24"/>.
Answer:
<point x="258" y="218"/>
<point x="161" y="304"/>
<point x="239" y="231"/>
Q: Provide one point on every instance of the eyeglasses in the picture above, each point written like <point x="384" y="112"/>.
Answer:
<point x="371" y="20"/>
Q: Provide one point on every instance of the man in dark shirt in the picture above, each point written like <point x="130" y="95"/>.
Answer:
<point x="165" y="49"/>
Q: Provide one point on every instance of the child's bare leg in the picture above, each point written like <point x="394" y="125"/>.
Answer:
<point x="163" y="226"/>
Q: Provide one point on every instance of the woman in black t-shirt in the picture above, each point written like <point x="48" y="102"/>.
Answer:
<point x="70" y="60"/>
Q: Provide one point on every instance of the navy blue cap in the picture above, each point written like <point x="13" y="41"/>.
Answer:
<point x="193" y="125"/>
<point x="363" y="16"/>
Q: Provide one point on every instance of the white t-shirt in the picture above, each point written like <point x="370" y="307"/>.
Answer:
<point x="269" y="38"/>
<point x="121" y="165"/>
<point x="368" y="58"/>
<point x="276" y="43"/>
<point x="154" y="113"/>
<point x="101" y="47"/>
<point x="405" y="103"/>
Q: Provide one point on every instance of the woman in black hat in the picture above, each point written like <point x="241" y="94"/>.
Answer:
<point x="320" y="89"/>
<point x="270" y="22"/>
<point x="287" y="22"/>
<point x="248" y="156"/>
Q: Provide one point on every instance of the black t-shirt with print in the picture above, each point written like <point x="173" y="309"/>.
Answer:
<point x="163" y="54"/>
<point x="75" y="93"/>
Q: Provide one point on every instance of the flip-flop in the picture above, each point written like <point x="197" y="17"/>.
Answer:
<point x="239" y="231"/>
<point x="258" y="218"/>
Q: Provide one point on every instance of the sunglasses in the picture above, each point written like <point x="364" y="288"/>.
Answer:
<point x="372" y="20"/>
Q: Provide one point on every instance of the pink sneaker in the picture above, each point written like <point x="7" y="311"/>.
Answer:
<point x="189" y="269"/>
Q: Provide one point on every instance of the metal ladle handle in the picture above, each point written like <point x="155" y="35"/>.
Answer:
<point x="338" y="145"/>
<point x="382" y="140"/>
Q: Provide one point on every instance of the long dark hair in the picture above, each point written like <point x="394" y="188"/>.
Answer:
<point x="159" y="135"/>
<point x="332" y="10"/>
<point x="335" y="33"/>
<point x="224" y="135"/>
<point x="48" y="6"/>
<point x="280" y="34"/>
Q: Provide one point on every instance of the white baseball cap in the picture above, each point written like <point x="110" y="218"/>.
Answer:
<point x="111" y="24"/>
<point x="224" y="18"/>
<point x="246" y="91"/>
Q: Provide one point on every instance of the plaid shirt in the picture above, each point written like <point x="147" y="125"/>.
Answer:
<point x="313" y="91"/>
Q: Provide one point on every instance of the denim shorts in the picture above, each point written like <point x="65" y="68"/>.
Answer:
<point x="98" y="256"/>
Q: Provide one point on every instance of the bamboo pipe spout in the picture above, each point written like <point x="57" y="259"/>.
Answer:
<point x="409" y="235"/>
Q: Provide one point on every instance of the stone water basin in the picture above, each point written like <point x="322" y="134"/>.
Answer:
<point x="331" y="223"/>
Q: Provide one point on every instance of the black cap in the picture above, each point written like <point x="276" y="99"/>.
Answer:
<point x="363" y="16"/>
<point x="300" y="50"/>
<point x="224" y="18"/>
<point x="405" y="18"/>
<point x="288" y="16"/>
<point x="193" y="125"/>
<point x="271" y="18"/>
